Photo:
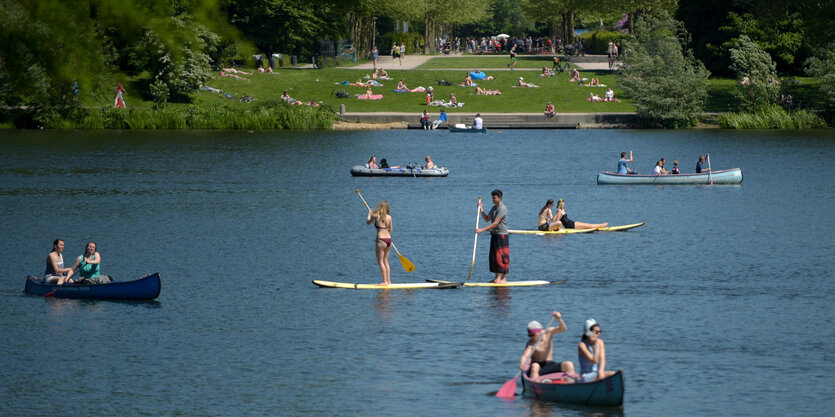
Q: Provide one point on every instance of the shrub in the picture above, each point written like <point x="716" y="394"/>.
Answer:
<point x="757" y="84"/>
<point x="771" y="117"/>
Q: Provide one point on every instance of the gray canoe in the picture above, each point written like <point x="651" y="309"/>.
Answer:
<point x="722" y="177"/>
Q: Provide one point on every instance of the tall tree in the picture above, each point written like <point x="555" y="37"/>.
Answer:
<point x="664" y="80"/>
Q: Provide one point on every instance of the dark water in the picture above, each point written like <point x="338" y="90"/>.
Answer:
<point x="720" y="306"/>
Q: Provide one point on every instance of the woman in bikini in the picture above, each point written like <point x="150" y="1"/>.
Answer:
<point x="382" y="221"/>
<point x="571" y="224"/>
<point x="547" y="221"/>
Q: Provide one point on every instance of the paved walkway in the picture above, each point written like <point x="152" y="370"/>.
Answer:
<point x="587" y="62"/>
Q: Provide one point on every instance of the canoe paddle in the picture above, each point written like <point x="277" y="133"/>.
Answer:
<point x="407" y="264"/>
<point x="508" y="390"/>
<point x="475" y="241"/>
<point x="709" y="171"/>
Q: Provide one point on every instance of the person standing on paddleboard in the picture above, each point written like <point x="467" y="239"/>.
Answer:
<point x="499" y="243"/>
<point x="542" y="354"/>
<point x="382" y="221"/>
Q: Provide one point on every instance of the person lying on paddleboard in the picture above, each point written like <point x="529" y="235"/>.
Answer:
<point x="542" y="354"/>
<point x="592" y="353"/>
<point x="571" y="224"/>
<point x="382" y="244"/>
<point x="547" y="221"/>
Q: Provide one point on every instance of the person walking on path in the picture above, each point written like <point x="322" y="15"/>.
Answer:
<point x="499" y="243"/>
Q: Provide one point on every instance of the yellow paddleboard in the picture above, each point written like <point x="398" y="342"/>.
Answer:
<point x="620" y="228"/>
<point x="563" y="231"/>
<point x="401" y="286"/>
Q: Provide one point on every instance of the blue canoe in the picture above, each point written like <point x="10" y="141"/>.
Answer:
<point x="145" y="288"/>
<point x="606" y="392"/>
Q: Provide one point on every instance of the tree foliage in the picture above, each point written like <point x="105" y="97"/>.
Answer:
<point x="51" y="46"/>
<point x="757" y="84"/>
<point x="821" y="67"/>
<point x="667" y="84"/>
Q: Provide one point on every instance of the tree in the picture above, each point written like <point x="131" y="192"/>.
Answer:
<point x="821" y="67"/>
<point x="51" y="46"/>
<point x="756" y="74"/>
<point x="667" y="84"/>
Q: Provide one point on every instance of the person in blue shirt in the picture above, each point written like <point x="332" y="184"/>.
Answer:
<point x="622" y="168"/>
<point x="441" y="119"/>
<point x="699" y="167"/>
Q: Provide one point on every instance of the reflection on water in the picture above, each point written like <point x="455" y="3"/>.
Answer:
<point x="382" y="303"/>
<point x="500" y="300"/>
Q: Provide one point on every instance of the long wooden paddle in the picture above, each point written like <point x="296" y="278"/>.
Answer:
<point x="407" y="264"/>
<point x="475" y="241"/>
<point x="709" y="171"/>
<point x="508" y="390"/>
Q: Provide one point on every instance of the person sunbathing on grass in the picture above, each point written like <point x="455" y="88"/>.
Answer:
<point x="401" y="86"/>
<point x="521" y="83"/>
<point x="545" y="72"/>
<point x="289" y="100"/>
<point x="593" y="98"/>
<point x="235" y="71"/>
<point x="575" y="75"/>
<point x="468" y="81"/>
<point x="224" y="74"/>
<point x="484" y="92"/>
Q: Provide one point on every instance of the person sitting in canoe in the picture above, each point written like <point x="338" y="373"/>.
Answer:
<point x="478" y="122"/>
<point x="542" y="354"/>
<point x="675" y="169"/>
<point x="55" y="272"/>
<point x="381" y="218"/>
<point x="592" y="354"/>
<point x="659" y="168"/>
<point x="372" y="163"/>
<point x="571" y="224"/>
<point x="622" y="168"/>
<point x="547" y="221"/>
<point x="699" y="165"/>
<point x="88" y="266"/>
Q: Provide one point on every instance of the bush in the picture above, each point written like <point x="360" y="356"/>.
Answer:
<point x="757" y="84"/>
<point x="598" y="42"/>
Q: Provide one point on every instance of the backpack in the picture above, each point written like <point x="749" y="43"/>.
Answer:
<point x="445" y="82"/>
<point x="343" y="94"/>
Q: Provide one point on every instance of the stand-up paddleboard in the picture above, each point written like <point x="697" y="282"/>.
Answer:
<point x="490" y="284"/>
<point x="620" y="228"/>
<point x="399" y="286"/>
<point x="562" y="231"/>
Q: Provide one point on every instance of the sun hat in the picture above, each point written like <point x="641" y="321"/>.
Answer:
<point x="534" y="327"/>
<point x="589" y="324"/>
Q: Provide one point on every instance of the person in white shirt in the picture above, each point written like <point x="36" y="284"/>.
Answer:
<point x="478" y="123"/>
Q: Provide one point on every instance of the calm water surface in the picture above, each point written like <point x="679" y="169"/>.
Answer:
<point x="720" y="306"/>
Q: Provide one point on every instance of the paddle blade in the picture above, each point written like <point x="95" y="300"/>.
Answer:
<point x="508" y="390"/>
<point x="407" y="264"/>
<point x="50" y="294"/>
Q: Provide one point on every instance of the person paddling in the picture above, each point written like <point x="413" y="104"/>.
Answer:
<point x="622" y="168"/>
<point x="381" y="218"/>
<point x="542" y="355"/>
<point x="499" y="239"/>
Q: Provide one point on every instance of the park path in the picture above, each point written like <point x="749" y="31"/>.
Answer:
<point x="589" y="62"/>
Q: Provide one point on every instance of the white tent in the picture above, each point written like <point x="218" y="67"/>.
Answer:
<point x="502" y="35"/>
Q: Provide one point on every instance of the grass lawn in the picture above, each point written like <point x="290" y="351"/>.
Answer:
<point x="320" y="84"/>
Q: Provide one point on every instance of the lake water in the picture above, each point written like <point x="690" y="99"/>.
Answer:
<point x="721" y="305"/>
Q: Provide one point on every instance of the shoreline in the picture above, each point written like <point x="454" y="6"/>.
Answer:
<point x="403" y="120"/>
